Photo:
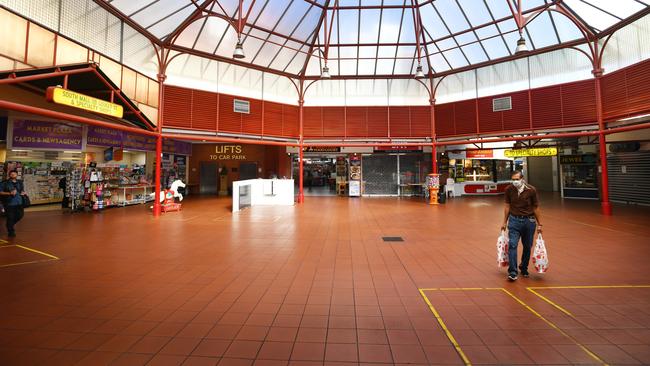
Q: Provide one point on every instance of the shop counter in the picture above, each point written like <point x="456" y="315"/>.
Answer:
<point x="262" y="192"/>
<point x="480" y="188"/>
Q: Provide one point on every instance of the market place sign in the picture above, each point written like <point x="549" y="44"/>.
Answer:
<point x="67" y="97"/>
<point x="46" y="135"/>
<point x="538" y="151"/>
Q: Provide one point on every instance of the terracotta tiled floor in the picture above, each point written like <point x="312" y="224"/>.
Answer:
<point x="315" y="285"/>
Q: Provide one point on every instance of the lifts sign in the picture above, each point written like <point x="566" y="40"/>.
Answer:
<point x="228" y="152"/>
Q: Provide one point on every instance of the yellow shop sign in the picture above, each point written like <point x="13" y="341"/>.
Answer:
<point x="77" y="100"/>
<point x="537" y="151"/>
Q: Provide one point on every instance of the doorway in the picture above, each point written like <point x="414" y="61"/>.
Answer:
<point x="208" y="172"/>
<point x="247" y="171"/>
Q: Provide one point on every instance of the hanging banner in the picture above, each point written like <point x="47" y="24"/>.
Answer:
<point x="46" y="135"/>
<point x="67" y="97"/>
<point x="538" y="151"/>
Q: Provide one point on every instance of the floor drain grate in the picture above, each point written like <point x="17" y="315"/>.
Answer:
<point x="392" y="238"/>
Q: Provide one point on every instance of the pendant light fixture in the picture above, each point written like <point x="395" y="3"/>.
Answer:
<point x="239" y="50"/>
<point x="418" y="72"/>
<point x="521" y="45"/>
<point x="326" y="72"/>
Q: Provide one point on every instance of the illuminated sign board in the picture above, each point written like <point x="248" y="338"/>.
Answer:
<point x="73" y="99"/>
<point x="538" y="151"/>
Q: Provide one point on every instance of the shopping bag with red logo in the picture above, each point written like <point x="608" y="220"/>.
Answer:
<point x="502" y="250"/>
<point x="540" y="256"/>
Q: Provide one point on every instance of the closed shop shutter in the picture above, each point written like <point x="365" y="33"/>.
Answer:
<point x="629" y="177"/>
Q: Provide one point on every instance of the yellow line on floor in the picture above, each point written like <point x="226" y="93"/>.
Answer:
<point x="565" y="311"/>
<point x="444" y="327"/>
<point x="589" y="287"/>
<point x="30" y="262"/>
<point x="37" y="251"/>
<point x="550" y="323"/>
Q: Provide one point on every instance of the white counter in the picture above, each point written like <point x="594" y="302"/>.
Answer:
<point x="262" y="192"/>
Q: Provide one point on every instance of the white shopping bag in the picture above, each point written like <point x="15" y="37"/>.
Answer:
<point x="540" y="256"/>
<point x="502" y="250"/>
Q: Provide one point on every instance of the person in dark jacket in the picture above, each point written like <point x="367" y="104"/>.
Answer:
<point x="12" y="193"/>
<point x="62" y="186"/>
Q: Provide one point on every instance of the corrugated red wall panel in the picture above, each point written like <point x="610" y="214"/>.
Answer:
<point x="445" y="120"/>
<point x="614" y="95"/>
<point x="638" y="88"/>
<point x="579" y="103"/>
<point x="290" y="121"/>
<point x="229" y="121"/>
<point x="547" y="107"/>
<point x="204" y="110"/>
<point x="178" y="110"/>
<point x="518" y="118"/>
<point x="420" y="121"/>
<point x="465" y="117"/>
<point x="489" y="121"/>
<point x="355" y="122"/>
<point x="334" y="121"/>
<point x="273" y="119"/>
<point x="400" y="122"/>
<point x="313" y="122"/>
<point x="377" y="121"/>
<point x="252" y="122"/>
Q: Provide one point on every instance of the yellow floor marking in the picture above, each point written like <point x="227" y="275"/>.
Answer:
<point x="30" y="262"/>
<point x="37" y="251"/>
<point x="519" y="301"/>
<point x="444" y="327"/>
<point x="49" y="256"/>
<point x="550" y="323"/>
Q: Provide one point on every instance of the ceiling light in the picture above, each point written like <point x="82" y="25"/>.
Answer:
<point x="326" y="73"/>
<point x="521" y="45"/>
<point x="239" y="51"/>
<point x="418" y="72"/>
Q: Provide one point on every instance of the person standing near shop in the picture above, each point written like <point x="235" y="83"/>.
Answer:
<point x="521" y="217"/>
<point x="12" y="193"/>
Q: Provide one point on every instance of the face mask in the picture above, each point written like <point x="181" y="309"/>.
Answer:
<point x="518" y="183"/>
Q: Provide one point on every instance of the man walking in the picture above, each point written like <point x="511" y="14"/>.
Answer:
<point x="521" y="216"/>
<point x="12" y="193"/>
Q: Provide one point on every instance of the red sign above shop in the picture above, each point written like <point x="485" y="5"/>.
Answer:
<point x="398" y="148"/>
<point x="477" y="154"/>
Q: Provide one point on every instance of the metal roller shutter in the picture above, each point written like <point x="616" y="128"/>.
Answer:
<point x="629" y="177"/>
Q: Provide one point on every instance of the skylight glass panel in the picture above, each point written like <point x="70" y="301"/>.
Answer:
<point x="432" y="22"/>
<point x="474" y="53"/>
<point x="452" y="16"/>
<point x="390" y="26"/>
<point x="499" y="8"/>
<point x="476" y="12"/>
<point x="369" y="32"/>
<point x="495" y="47"/>
<point x="348" y="67"/>
<point x="466" y="38"/>
<point x="367" y="67"/>
<point x="542" y="32"/>
<point x="487" y="31"/>
<point x="439" y="63"/>
<point x="455" y="58"/>
<point x="349" y="21"/>
<point x="595" y="17"/>
<point x="565" y="27"/>
<point x="367" y="52"/>
<point x="619" y="8"/>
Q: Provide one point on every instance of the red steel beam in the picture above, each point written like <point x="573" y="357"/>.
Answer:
<point x="200" y="138"/>
<point x="70" y="117"/>
<point x="24" y="79"/>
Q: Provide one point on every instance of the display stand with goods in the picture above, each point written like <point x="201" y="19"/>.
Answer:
<point x="354" y="184"/>
<point x="41" y="179"/>
<point x="433" y="185"/>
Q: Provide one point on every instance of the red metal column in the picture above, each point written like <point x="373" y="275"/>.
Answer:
<point x="301" y="194"/>
<point x="434" y="153"/>
<point x="159" y="141"/>
<point x="605" y="205"/>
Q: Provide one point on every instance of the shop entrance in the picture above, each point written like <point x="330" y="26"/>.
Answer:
<point x="319" y="175"/>
<point x="208" y="177"/>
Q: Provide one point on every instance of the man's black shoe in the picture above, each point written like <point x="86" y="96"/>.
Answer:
<point x="12" y="234"/>
<point x="512" y="277"/>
